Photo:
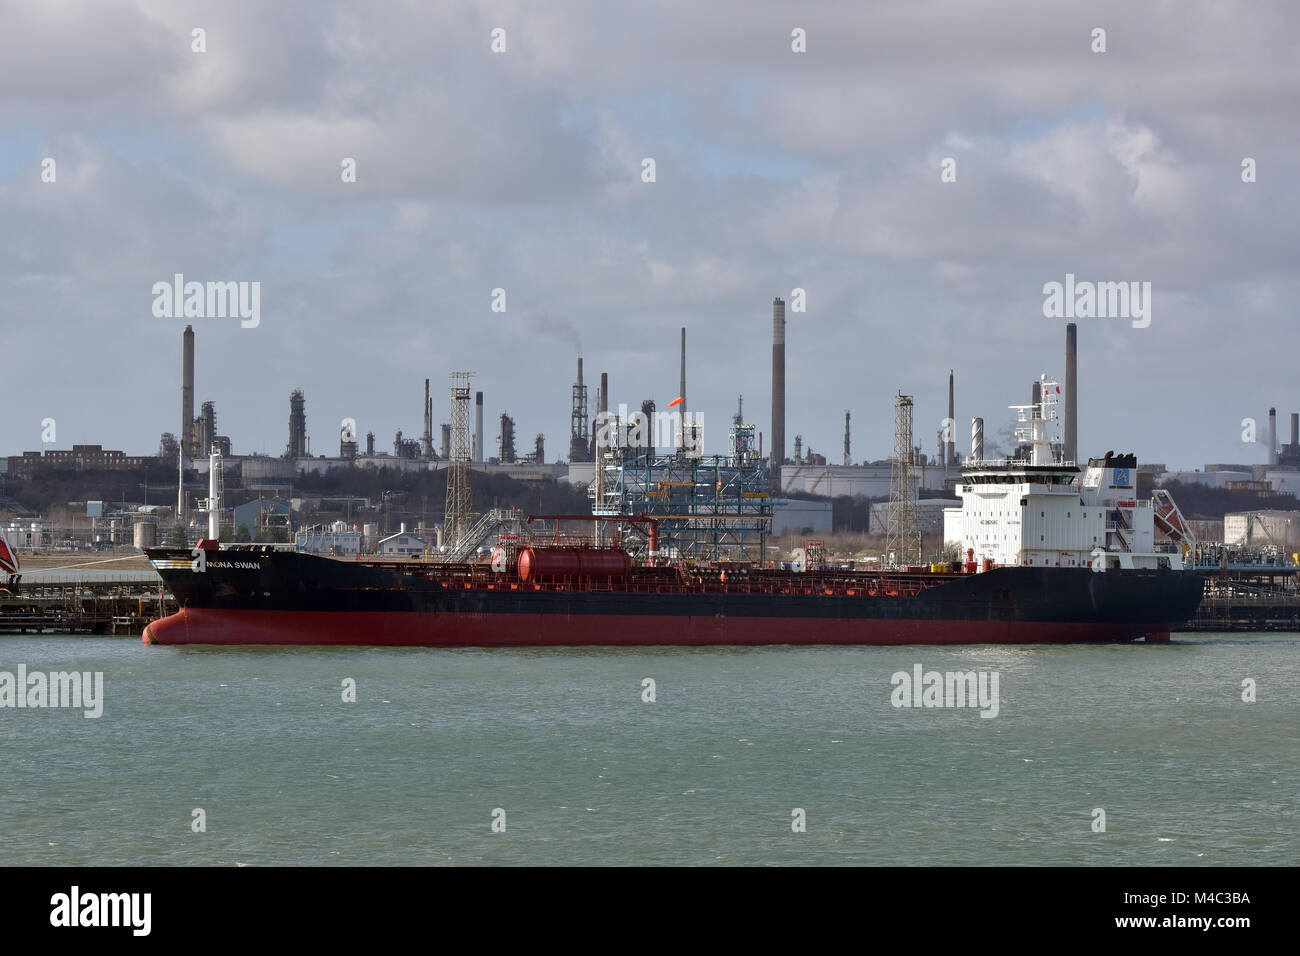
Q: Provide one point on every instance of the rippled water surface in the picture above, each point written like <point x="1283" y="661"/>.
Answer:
<point x="587" y="772"/>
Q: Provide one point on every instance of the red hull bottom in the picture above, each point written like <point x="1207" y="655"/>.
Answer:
<point x="414" y="629"/>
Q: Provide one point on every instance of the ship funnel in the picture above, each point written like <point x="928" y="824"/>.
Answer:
<point x="977" y="439"/>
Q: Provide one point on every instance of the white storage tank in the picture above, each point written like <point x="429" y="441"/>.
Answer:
<point x="146" y="534"/>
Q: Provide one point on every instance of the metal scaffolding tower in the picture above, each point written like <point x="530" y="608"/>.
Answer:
<point x="459" y="512"/>
<point x="903" y="544"/>
<point x="714" y="508"/>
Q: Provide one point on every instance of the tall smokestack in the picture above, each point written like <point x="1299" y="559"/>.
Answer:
<point x="426" y="441"/>
<point x="180" y="485"/>
<point x="682" y="392"/>
<point x="648" y="411"/>
<point x="977" y="439"/>
<point x="478" y="426"/>
<point x="848" y="457"/>
<point x="1071" y="438"/>
<point x="446" y="441"/>
<point x="1295" y="430"/>
<point x="187" y="393"/>
<point x="681" y="438"/>
<point x="950" y="451"/>
<point x="778" y="384"/>
<point x="1272" y="436"/>
<point x="602" y="411"/>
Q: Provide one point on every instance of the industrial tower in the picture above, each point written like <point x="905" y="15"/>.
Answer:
<point x="297" y="447"/>
<point x="506" y="453"/>
<point x="778" y="386"/>
<point x="459" y="501"/>
<point x="579" y="428"/>
<point x="186" y="436"/>
<point x="904" y="538"/>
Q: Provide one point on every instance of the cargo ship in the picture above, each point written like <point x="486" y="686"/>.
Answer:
<point x="576" y="596"/>
<point x="1046" y="554"/>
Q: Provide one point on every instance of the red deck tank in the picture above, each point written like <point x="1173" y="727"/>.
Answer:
<point x="551" y="564"/>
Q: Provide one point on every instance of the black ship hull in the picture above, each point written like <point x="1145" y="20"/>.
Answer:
<point x="261" y="596"/>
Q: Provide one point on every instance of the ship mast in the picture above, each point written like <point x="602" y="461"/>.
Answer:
<point x="1034" y="419"/>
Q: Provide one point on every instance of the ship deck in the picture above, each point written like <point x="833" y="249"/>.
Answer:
<point x="686" y="580"/>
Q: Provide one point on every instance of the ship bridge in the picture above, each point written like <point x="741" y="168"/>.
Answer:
<point x="1037" y="510"/>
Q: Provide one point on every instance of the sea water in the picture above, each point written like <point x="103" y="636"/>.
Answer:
<point x="1185" y="753"/>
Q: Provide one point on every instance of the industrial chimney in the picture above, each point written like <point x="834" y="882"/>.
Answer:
<point x="848" y="457"/>
<point x="648" y="416"/>
<point x="950" y="450"/>
<point x="682" y="442"/>
<point x="778" y="384"/>
<point x="1272" y="436"/>
<point x="426" y="440"/>
<point x="682" y="385"/>
<point x="579" y="425"/>
<point x="1295" y="431"/>
<point x="187" y="394"/>
<point x="478" y="426"/>
<point x="297" y="447"/>
<point x="1071" y="437"/>
<point x="602" y="412"/>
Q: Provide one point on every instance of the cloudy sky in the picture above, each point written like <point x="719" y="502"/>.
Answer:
<point x="774" y="170"/>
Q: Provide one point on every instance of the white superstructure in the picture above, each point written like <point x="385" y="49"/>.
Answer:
<point x="1036" y="510"/>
